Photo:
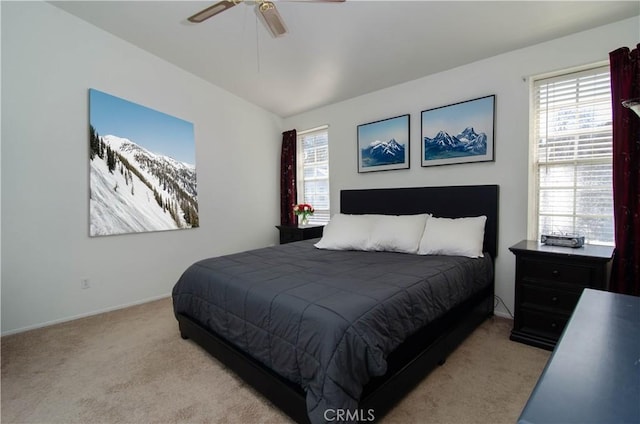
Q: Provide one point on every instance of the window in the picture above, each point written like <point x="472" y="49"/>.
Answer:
<point x="313" y="172"/>
<point x="572" y="155"/>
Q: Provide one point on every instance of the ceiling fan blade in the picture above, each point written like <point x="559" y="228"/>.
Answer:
<point x="271" y="17"/>
<point x="210" y="11"/>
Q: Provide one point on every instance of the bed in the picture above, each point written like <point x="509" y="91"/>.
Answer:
<point x="342" y="335"/>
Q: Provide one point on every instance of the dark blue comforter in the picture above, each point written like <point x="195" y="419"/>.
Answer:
<point x="325" y="320"/>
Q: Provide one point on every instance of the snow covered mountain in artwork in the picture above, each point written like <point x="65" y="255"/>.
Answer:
<point x="135" y="190"/>
<point x="444" y="145"/>
<point x="383" y="153"/>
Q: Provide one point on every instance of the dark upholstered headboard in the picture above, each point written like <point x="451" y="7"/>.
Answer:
<point x="445" y="202"/>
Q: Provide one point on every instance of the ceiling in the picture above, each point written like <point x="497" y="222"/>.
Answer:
<point x="336" y="51"/>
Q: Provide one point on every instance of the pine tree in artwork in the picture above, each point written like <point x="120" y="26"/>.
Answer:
<point x="101" y="149"/>
<point x="190" y="214"/>
<point x="94" y="142"/>
<point x="158" y="198"/>
<point x="111" y="159"/>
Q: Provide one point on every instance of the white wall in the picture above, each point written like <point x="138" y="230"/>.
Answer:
<point x="506" y="76"/>
<point x="49" y="61"/>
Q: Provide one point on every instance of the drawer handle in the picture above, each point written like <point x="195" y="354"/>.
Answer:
<point x="555" y="272"/>
<point x="554" y="325"/>
<point x="554" y="299"/>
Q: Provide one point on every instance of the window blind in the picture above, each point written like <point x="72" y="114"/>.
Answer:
<point x="313" y="187"/>
<point x="573" y="154"/>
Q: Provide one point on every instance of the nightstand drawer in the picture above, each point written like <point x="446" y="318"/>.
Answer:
<point x="290" y="236"/>
<point x="555" y="271"/>
<point x="542" y="324"/>
<point x="555" y="299"/>
<point x="289" y="233"/>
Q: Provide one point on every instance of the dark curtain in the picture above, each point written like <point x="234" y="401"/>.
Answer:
<point x="625" y="84"/>
<point x="288" y="195"/>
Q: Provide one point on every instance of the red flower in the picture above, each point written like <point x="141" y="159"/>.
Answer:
<point x="303" y="209"/>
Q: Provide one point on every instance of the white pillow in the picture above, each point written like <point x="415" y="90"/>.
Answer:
<point x="346" y="232"/>
<point x="453" y="236"/>
<point x="397" y="233"/>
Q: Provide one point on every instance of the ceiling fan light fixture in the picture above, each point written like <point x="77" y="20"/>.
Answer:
<point x="266" y="5"/>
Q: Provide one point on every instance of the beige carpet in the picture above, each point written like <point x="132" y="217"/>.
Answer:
<point x="131" y="366"/>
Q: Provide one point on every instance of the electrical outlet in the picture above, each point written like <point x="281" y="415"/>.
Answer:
<point x="84" y="283"/>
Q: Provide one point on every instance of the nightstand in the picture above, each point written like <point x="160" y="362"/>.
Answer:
<point x="549" y="281"/>
<point x="290" y="234"/>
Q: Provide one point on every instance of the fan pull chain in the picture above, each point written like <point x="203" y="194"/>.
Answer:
<point x="257" y="45"/>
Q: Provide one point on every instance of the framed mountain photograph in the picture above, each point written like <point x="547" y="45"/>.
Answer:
<point x="384" y="145"/>
<point x="142" y="174"/>
<point x="459" y="133"/>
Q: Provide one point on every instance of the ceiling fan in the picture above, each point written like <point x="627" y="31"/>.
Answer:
<point x="265" y="9"/>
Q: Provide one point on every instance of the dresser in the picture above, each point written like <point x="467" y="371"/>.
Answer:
<point x="549" y="282"/>
<point x="592" y="375"/>
<point x="291" y="233"/>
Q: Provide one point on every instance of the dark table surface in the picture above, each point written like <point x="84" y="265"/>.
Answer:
<point x="593" y="374"/>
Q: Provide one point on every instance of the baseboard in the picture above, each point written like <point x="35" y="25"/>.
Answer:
<point x="85" y="315"/>
<point x="502" y="314"/>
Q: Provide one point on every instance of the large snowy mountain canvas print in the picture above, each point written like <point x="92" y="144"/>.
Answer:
<point x="142" y="169"/>
<point x="458" y="133"/>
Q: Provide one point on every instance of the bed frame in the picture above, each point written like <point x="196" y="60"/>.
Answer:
<point x="421" y="352"/>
